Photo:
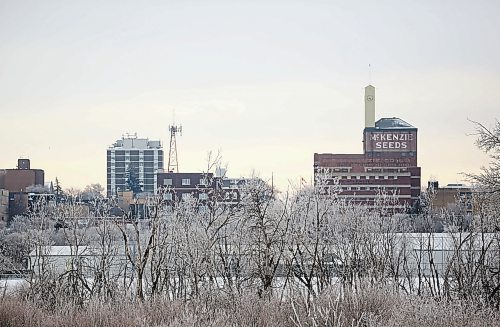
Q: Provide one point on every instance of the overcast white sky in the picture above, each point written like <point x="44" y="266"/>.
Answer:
<point x="268" y="82"/>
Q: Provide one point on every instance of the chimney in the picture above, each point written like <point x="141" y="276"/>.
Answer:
<point x="369" y="106"/>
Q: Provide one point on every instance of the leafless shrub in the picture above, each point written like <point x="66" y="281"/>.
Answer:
<point x="368" y="306"/>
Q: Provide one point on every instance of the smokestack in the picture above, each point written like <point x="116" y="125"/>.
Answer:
<point x="369" y="106"/>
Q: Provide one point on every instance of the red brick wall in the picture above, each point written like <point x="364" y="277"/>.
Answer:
<point x="17" y="180"/>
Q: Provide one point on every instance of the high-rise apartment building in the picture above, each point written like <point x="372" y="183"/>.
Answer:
<point x="133" y="161"/>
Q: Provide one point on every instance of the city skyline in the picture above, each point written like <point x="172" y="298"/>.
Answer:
<point x="269" y="84"/>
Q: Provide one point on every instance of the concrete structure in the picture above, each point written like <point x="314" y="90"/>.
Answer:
<point x="133" y="156"/>
<point x="388" y="162"/>
<point x="4" y="205"/>
<point x="370" y="106"/>
<point x="431" y="253"/>
<point x="58" y="259"/>
<point x="426" y="255"/>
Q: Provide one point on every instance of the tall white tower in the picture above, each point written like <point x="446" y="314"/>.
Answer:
<point x="370" y="106"/>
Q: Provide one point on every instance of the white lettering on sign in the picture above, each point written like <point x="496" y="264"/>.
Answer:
<point x="391" y="141"/>
<point x="391" y="145"/>
<point x="391" y="137"/>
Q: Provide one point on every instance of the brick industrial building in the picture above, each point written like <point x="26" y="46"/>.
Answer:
<point x="388" y="163"/>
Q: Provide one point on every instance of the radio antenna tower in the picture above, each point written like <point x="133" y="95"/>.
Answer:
<point x="173" y="163"/>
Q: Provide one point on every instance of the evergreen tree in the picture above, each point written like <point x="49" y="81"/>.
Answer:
<point x="132" y="180"/>
<point x="58" y="191"/>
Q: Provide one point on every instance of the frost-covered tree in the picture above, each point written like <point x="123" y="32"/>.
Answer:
<point x="488" y="140"/>
<point x="92" y="192"/>
<point x="266" y="223"/>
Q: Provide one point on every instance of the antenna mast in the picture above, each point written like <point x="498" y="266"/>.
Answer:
<point x="173" y="163"/>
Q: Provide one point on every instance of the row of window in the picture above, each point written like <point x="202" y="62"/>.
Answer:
<point x="369" y="177"/>
<point x="123" y="171"/>
<point x="122" y="181"/>
<point x="366" y="188"/>
<point x="387" y="170"/>
<point x="185" y="196"/>
<point x="133" y="158"/>
<point x="135" y="163"/>
<point x="134" y="152"/>
<point x="371" y="170"/>
<point x="201" y="196"/>
<point x="185" y="182"/>
<point x="124" y="175"/>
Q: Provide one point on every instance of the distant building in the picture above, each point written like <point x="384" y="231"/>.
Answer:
<point x="231" y="189"/>
<point x="388" y="162"/>
<point x="135" y="159"/>
<point x="184" y="186"/>
<point x="20" y="183"/>
<point x="140" y="205"/>
<point x="201" y="187"/>
<point x="451" y="195"/>
<point x="22" y="177"/>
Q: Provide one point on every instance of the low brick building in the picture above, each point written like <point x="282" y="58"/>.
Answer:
<point x="201" y="187"/>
